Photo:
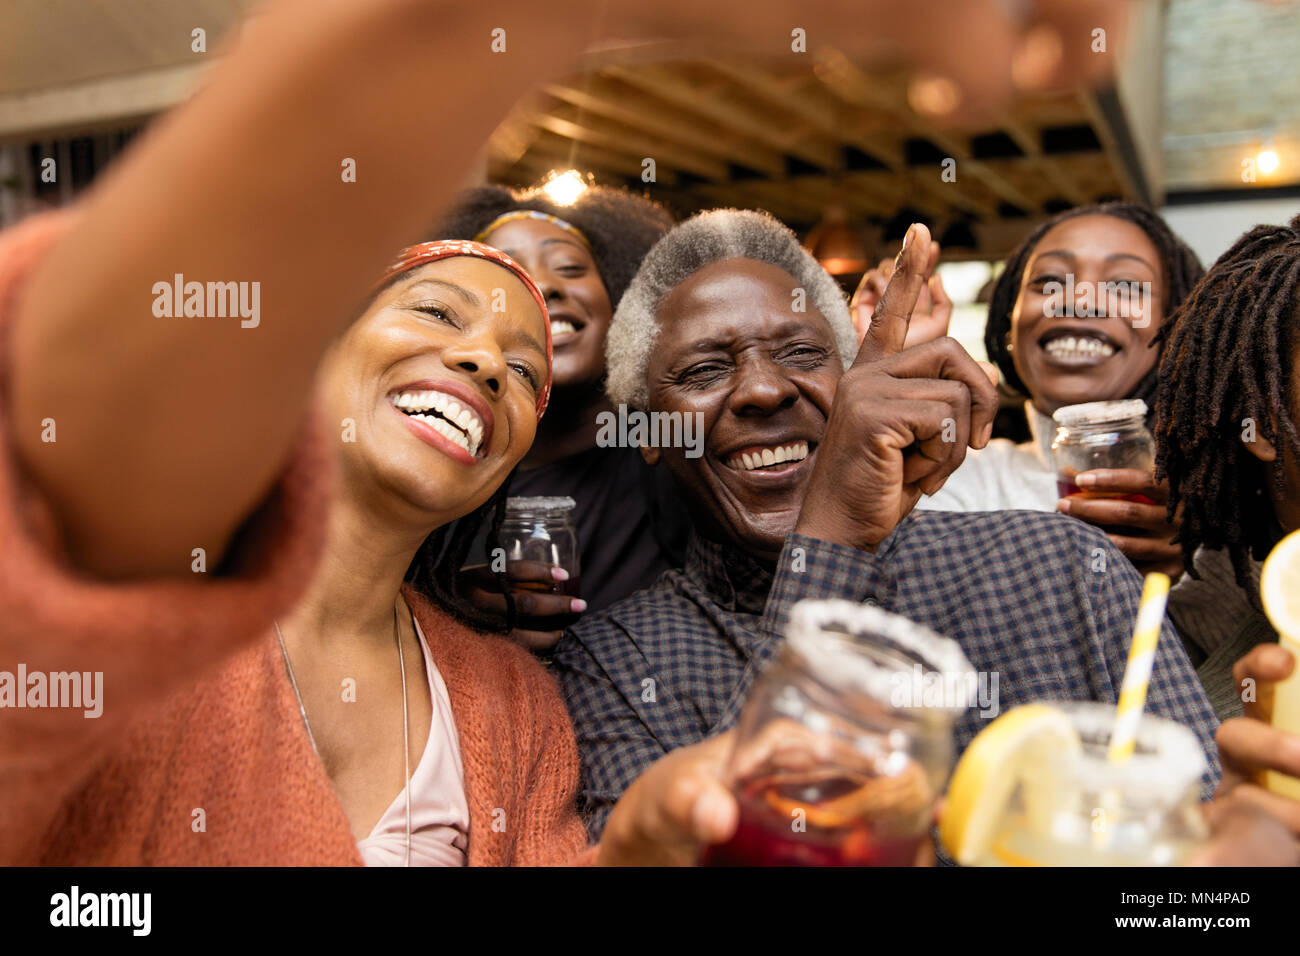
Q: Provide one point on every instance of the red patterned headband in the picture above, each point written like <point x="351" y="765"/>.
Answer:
<point x="426" y="252"/>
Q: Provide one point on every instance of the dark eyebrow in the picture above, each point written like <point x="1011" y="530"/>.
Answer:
<point x="1129" y="255"/>
<point x="566" y="241"/>
<point x="1066" y="254"/>
<point x="520" y="337"/>
<point x="550" y="242"/>
<point x="469" y="295"/>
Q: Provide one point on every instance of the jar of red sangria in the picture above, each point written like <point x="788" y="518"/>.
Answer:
<point x="846" y="741"/>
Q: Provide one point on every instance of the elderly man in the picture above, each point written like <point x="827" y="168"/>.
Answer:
<point x="813" y="460"/>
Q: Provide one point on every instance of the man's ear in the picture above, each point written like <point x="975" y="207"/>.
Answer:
<point x="650" y="454"/>
<point x="1261" y="447"/>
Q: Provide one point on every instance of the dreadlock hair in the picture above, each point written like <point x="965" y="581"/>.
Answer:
<point x="1181" y="270"/>
<point x="1227" y="364"/>
<point x="620" y="225"/>
<point x="436" y="569"/>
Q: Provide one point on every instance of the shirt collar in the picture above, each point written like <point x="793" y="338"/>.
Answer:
<point x="729" y="576"/>
<point x="1043" y="429"/>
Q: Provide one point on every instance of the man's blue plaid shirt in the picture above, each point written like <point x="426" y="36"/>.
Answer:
<point x="1043" y="600"/>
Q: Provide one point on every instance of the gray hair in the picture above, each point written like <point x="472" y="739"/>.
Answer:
<point x="700" y="241"/>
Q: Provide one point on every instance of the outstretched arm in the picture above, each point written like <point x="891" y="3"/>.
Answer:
<point x="171" y="430"/>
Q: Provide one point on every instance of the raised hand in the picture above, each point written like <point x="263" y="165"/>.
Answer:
<point x="901" y="421"/>
<point x="933" y="309"/>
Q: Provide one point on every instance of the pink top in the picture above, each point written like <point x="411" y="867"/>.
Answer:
<point x="439" y="811"/>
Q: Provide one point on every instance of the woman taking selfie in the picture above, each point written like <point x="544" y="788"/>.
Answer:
<point x="269" y="691"/>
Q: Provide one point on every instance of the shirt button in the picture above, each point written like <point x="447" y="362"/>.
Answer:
<point x="870" y="602"/>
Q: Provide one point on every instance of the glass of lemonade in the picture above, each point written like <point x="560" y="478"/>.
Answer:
<point x="1076" y="808"/>
<point x="845" y="742"/>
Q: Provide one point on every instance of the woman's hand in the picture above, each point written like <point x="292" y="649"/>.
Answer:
<point x="1249" y="746"/>
<point x="674" y="810"/>
<point x="1138" y="528"/>
<point x="933" y="307"/>
<point x="484" y="592"/>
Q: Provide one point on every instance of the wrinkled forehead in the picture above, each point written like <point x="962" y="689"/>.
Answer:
<point x="735" y="298"/>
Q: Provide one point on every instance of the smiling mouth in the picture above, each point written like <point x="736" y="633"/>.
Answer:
<point x="769" y="457"/>
<point x="1078" y="346"/>
<point x="455" y="421"/>
<point x="564" y="326"/>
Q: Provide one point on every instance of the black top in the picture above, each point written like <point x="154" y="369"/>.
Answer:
<point x="631" y="525"/>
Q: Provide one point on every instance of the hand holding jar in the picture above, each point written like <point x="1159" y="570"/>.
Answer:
<point x="1105" y="463"/>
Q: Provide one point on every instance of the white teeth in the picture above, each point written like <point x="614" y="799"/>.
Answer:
<point x="1069" y="347"/>
<point x="562" y="327"/>
<point x="778" y="454"/>
<point x="470" y="433"/>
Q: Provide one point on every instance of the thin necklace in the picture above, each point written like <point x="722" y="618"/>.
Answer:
<point x="406" y="741"/>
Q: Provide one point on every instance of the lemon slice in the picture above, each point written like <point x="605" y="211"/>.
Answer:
<point x="988" y="771"/>
<point x="1279" y="587"/>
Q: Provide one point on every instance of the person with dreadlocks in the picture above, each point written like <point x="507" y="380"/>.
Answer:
<point x="1228" y="440"/>
<point x="1064" y="353"/>
<point x="631" y="525"/>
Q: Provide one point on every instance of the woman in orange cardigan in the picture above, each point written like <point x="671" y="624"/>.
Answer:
<point x="231" y="704"/>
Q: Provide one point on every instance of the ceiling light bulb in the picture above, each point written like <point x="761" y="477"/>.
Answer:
<point x="563" y="189"/>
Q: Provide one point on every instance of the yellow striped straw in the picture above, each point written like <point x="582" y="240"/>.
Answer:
<point x="1137" y="673"/>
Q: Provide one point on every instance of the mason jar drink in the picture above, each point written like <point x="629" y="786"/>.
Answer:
<point x="1071" y="806"/>
<point x="845" y="742"/>
<point x="540" y="530"/>
<point x="1101" y="435"/>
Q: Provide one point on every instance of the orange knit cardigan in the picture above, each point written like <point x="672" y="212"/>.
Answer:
<point x="200" y="755"/>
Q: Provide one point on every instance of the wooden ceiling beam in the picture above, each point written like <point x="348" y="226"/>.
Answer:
<point x="556" y="154"/>
<point x="635" y="146"/>
<point x="1031" y="145"/>
<point x="1101" y="126"/>
<point x="673" y="127"/>
<point x="847" y="81"/>
<point x="664" y="85"/>
<point x="831" y="123"/>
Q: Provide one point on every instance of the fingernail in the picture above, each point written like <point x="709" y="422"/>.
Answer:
<point x="987" y="435"/>
<point x="577" y="605"/>
<point x="559" y="574"/>
<point x="911" y="230"/>
<point x="1063" y="506"/>
<point x="1085" y="479"/>
<point x="710" y="811"/>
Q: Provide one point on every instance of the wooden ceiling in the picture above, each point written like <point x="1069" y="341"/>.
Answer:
<point x="799" y="141"/>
